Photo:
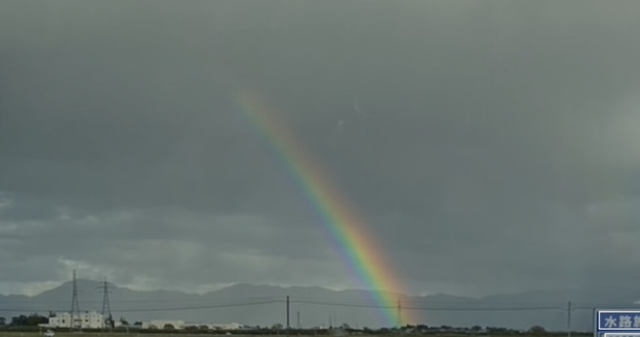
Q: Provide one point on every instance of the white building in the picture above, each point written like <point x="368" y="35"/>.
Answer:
<point x="160" y="324"/>
<point x="88" y="320"/>
<point x="181" y="325"/>
<point x="229" y="326"/>
<point x="214" y="326"/>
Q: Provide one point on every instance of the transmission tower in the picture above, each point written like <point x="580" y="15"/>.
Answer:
<point x="76" y="320"/>
<point x="106" y="307"/>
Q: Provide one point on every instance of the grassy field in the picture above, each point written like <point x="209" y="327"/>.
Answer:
<point x="106" y="334"/>
<point x="95" y="334"/>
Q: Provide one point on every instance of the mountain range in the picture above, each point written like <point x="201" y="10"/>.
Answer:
<point x="315" y="306"/>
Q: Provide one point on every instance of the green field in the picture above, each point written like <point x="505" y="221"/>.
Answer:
<point x="95" y="334"/>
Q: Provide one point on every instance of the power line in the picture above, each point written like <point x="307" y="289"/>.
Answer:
<point x="27" y="310"/>
<point x="177" y="308"/>
<point x="151" y="309"/>
<point x="244" y="301"/>
<point x="408" y="301"/>
<point x="485" y="309"/>
<point x="434" y="308"/>
<point x="148" y="300"/>
<point x="200" y="307"/>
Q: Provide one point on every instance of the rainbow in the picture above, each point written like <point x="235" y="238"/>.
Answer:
<point x="340" y="218"/>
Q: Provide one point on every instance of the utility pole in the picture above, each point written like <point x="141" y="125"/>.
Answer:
<point x="287" y="315"/>
<point x="594" y="315"/>
<point x="399" y="314"/>
<point x="75" y="306"/>
<point x="106" y="307"/>
<point x="569" y="319"/>
<point x="298" y="325"/>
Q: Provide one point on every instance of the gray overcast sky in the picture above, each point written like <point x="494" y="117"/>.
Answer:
<point x="493" y="145"/>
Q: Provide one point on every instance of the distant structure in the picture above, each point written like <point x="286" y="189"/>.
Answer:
<point x="86" y="320"/>
<point x="75" y="321"/>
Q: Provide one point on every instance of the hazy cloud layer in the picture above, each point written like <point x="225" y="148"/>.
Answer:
<point x="492" y="146"/>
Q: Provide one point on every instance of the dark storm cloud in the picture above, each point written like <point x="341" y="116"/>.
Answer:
<point x="462" y="131"/>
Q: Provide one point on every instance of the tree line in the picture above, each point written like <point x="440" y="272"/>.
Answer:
<point x="24" y="320"/>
